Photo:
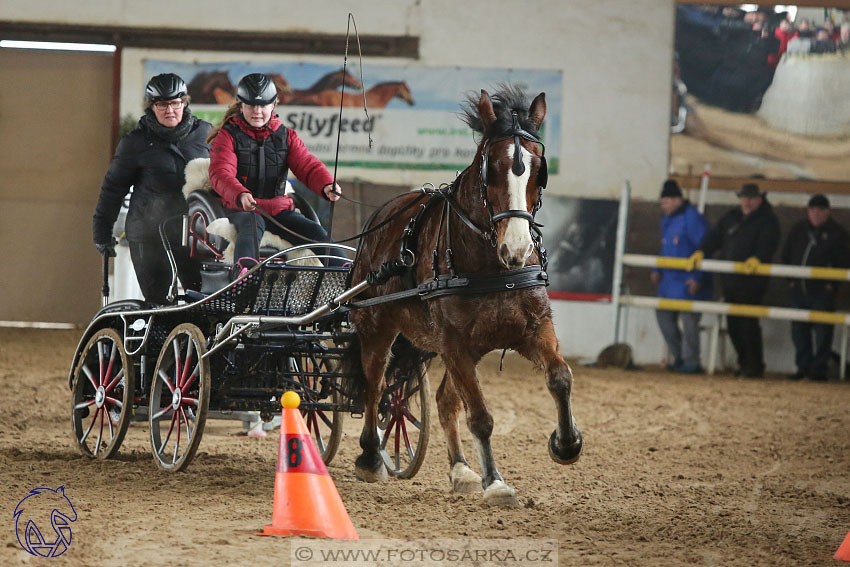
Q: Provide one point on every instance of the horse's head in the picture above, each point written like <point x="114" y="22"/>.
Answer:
<point x="404" y="93"/>
<point x="282" y="85"/>
<point x="512" y="167"/>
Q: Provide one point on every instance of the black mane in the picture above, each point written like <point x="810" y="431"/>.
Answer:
<point x="507" y="99"/>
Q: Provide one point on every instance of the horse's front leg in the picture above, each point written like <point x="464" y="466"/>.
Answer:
<point x="461" y="370"/>
<point x="369" y="466"/>
<point x="565" y="442"/>
<point x="449" y="404"/>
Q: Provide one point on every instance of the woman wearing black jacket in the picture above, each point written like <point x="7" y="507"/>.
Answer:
<point x="151" y="159"/>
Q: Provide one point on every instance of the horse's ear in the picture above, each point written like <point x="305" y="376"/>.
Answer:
<point x="537" y="110"/>
<point x="485" y="109"/>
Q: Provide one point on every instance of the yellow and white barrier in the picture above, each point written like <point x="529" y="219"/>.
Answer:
<point x="767" y="312"/>
<point x="750" y="267"/>
<point x="727" y="267"/>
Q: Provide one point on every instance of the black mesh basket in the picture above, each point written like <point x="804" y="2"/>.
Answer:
<point x="296" y="290"/>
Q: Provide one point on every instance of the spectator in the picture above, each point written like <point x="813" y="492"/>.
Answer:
<point x="822" y="43"/>
<point x="784" y="33"/>
<point x="831" y="32"/>
<point x="804" y="30"/>
<point x="682" y="230"/>
<point x="843" y="42"/>
<point x="749" y="233"/>
<point x="817" y="241"/>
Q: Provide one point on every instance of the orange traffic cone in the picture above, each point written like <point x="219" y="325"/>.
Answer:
<point x="306" y="501"/>
<point x="843" y="552"/>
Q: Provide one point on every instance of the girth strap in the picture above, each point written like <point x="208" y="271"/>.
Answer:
<point x="466" y="284"/>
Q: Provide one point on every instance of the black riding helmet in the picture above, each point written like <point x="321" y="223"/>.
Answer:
<point x="256" y="89"/>
<point x="167" y="86"/>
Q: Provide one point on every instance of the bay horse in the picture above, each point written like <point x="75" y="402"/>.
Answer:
<point x="377" y="96"/>
<point x="483" y="227"/>
<point x="330" y="81"/>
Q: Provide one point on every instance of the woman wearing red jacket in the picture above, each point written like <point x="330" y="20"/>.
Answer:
<point x="250" y="156"/>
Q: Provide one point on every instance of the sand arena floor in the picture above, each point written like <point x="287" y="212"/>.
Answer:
<point x="677" y="470"/>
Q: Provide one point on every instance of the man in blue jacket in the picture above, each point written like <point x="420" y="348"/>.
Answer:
<point x="682" y="230"/>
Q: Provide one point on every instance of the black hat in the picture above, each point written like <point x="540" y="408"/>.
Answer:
<point x="166" y="86"/>
<point x="671" y="189"/>
<point x="256" y="89"/>
<point x="750" y="190"/>
<point x="819" y="201"/>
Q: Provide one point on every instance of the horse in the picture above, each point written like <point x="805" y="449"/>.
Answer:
<point x="377" y="96"/>
<point x="481" y="228"/>
<point x="213" y="87"/>
<point x="330" y="81"/>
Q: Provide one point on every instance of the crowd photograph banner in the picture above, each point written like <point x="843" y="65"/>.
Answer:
<point x="761" y="90"/>
<point x="411" y="121"/>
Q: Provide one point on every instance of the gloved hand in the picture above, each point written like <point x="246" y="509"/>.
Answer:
<point x="276" y="205"/>
<point x="751" y="264"/>
<point x="695" y="260"/>
<point x="106" y="248"/>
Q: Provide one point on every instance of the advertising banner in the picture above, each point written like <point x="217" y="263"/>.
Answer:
<point x="412" y="118"/>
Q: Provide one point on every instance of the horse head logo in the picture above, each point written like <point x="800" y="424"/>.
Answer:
<point x="33" y="511"/>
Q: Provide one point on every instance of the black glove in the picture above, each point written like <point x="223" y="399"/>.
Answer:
<point x="106" y="248"/>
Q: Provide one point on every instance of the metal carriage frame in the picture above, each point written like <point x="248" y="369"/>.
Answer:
<point x="282" y="326"/>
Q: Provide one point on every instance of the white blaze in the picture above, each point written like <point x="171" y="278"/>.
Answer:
<point x="517" y="234"/>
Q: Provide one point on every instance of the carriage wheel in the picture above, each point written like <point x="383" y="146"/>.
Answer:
<point x="102" y="395"/>
<point x="325" y="426"/>
<point x="179" y="399"/>
<point x="404" y="424"/>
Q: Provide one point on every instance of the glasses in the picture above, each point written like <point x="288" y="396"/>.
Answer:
<point x="172" y="104"/>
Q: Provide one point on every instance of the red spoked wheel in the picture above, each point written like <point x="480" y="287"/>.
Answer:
<point x="324" y="421"/>
<point x="404" y="424"/>
<point x="180" y="398"/>
<point x="102" y="395"/>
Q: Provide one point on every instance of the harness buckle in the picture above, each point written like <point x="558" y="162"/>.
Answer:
<point x="407" y="257"/>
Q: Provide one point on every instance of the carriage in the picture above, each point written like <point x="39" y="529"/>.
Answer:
<point x="458" y="271"/>
<point x="237" y="347"/>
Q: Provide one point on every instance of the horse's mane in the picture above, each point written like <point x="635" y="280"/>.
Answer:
<point x="507" y="99"/>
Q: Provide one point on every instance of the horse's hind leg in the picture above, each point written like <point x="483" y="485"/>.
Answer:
<point x="565" y="442"/>
<point x="369" y="466"/>
<point x="462" y="371"/>
<point x="449" y="404"/>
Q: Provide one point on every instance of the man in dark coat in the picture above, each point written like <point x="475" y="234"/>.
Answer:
<point x="816" y="241"/>
<point x="749" y="233"/>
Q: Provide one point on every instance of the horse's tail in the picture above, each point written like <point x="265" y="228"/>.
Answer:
<point x="406" y="361"/>
<point x="352" y="385"/>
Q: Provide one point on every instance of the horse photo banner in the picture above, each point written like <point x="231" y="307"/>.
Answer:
<point x="413" y="111"/>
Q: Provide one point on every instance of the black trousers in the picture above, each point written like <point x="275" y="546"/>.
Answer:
<point x="812" y="361"/>
<point x="745" y="332"/>
<point x="153" y="271"/>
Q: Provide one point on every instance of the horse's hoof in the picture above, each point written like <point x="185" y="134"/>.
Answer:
<point x="565" y="455"/>
<point x="367" y="475"/>
<point x="464" y="479"/>
<point x="500" y="494"/>
<point x="369" y="470"/>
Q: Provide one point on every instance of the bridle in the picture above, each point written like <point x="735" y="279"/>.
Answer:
<point x="518" y="168"/>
